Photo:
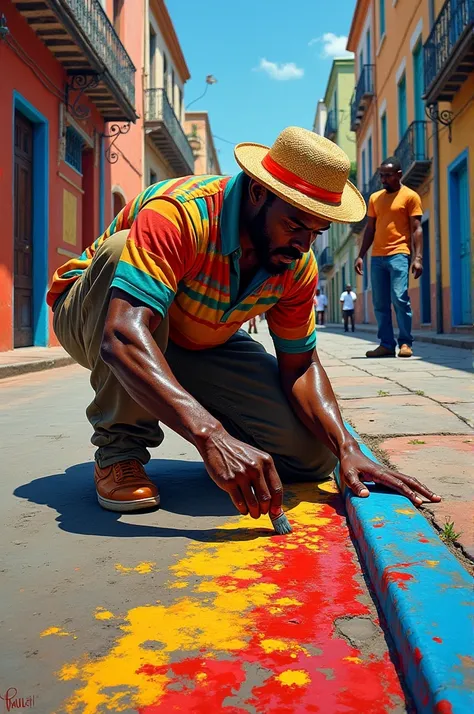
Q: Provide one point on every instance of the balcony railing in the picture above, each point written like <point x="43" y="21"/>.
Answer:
<point x="330" y="130"/>
<point x="93" y="21"/>
<point x="326" y="261"/>
<point x="412" y="152"/>
<point x="82" y="38"/>
<point x="449" y="50"/>
<point x="364" y="91"/>
<point x="166" y="131"/>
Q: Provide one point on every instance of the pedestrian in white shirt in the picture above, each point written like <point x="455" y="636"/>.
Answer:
<point x="320" y="303"/>
<point x="347" y="300"/>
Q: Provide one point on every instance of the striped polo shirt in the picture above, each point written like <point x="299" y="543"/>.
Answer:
<point x="182" y="259"/>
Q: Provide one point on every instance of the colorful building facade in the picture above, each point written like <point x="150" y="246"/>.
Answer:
<point x="414" y="98"/>
<point x="336" y="258"/>
<point x="92" y="111"/>
<point x="65" y="76"/>
<point x="198" y="130"/>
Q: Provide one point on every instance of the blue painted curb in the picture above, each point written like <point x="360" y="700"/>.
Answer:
<point x="425" y="595"/>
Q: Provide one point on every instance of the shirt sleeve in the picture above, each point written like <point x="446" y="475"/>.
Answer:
<point x="371" y="208"/>
<point x="414" y="206"/>
<point x="160" y="250"/>
<point x="342" y="297"/>
<point x="291" y="320"/>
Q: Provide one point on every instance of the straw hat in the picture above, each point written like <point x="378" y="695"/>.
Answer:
<point x="306" y="170"/>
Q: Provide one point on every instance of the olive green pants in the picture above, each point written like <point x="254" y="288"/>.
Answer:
<point x="238" y="382"/>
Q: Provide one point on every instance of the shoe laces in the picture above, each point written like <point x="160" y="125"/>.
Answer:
<point x="128" y="469"/>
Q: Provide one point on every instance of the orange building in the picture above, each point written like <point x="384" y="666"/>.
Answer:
<point x="198" y="130"/>
<point x="414" y="98"/>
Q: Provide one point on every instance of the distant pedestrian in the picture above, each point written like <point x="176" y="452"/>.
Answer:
<point x="320" y="303"/>
<point x="394" y="228"/>
<point x="253" y="325"/>
<point x="348" y="298"/>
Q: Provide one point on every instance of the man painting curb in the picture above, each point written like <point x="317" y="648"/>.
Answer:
<point x="394" y="229"/>
<point x="154" y="309"/>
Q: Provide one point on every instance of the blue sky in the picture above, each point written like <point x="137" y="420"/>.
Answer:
<point x="250" y="47"/>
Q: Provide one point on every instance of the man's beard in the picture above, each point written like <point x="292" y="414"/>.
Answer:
<point x="257" y="231"/>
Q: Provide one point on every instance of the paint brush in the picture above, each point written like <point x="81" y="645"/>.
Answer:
<point x="280" y="523"/>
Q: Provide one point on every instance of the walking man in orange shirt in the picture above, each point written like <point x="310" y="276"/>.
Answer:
<point x="394" y="229"/>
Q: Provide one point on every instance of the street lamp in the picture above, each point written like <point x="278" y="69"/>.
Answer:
<point x="210" y="79"/>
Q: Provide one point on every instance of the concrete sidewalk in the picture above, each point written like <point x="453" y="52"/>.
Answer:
<point x="464" y="339"/>
<point x="417" y="414"/>
<point x="32" y="359"/>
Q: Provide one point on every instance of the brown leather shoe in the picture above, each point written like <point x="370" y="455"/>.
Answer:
<point x="380" y="351"/>
<point x="405" y="351"/>
<point x="125" y="487"/>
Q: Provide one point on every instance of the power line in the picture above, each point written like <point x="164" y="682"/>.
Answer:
<point x="226" y="141"/>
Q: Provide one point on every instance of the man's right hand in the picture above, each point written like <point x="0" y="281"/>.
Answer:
<point x="247" y="474"/>
<point x="359" y="266"/>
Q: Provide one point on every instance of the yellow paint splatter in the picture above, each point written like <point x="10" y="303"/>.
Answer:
<point x="294" y="677"/>
<point x="58" y="631"/>
<point x="405" y="511"/>
<point x="287" y="601"/>
<point x="201" y="676"/>
<point x="218" y="624"/>
<point x="432" y="563"/>
<point x="102" y="614"/>
<point x="178" y="585"/>
<point x="376" y="518"/>
<point x="328" y="486"/>
<point x="356" y="660"/>
<point x="142" y="568"/>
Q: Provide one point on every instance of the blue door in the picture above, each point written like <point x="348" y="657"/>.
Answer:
<point x="426" y="277"/>
<point x="402" y="107"/>
<point x="418" y="86"/>
<point x="460" y="245"/>
<point x="384" y="135"/>
<point x="370" y="168"/>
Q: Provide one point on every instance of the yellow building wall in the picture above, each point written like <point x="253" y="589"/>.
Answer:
<point x="405" y="22"/>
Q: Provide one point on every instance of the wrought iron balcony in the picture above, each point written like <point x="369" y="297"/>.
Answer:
<point x="83" y="40"/>
<point x="362" y="96"/>
<point x="164" y="128"/>
<point x="412" y="152"/>
<point x="326" y="261"/>
<point x="449" y="51"/>
<point x="330" y="130"/>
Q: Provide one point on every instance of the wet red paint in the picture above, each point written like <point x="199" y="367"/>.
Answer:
<point x="437" y="639"/>
<point x="443" y="707"/>
<point x="417" y="656"/>
<point x="379" y="525"/>
<point x="423" y="540"/>
<point x="324" y="582"/>
<point x="393" y="576"/>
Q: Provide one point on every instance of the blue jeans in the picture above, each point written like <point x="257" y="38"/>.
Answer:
<point x="389" y="275"/>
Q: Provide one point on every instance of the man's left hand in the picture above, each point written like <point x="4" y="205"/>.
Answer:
<point x="417" y="268"/>
<point x="357" y="469"/>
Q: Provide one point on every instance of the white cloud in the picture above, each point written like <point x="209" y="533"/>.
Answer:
<point x="280" y="71"/>
<point x="333" y="45"/>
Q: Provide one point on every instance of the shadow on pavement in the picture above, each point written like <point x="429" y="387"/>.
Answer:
<point x="185" y="489"/>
